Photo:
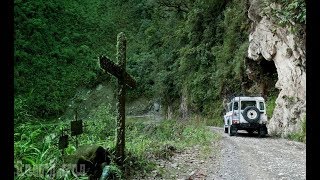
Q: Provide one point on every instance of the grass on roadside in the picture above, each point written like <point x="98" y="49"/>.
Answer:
<point x="35" y="144"/>
<point x="270" y="105"/>
<point x="301" y="135"/>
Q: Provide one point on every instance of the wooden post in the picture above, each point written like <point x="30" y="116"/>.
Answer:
<point x="121" y="56"/>
<point x="124" y="79"/>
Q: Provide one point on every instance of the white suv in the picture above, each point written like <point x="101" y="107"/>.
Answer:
<point x="246" y="113"/>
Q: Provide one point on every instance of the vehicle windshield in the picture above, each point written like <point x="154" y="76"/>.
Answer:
<point x="245" y="104"/>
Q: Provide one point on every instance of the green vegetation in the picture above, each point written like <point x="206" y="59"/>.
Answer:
<point x="290" y="13"/>
<point x="146" y="142"/>
<point x="200" y="53"/>
<point x="270" y="105"/>
<point x="56" y="49"/>
<point x="301" y="135"/>
<point x="198" y="46"/>
<point x="217" y="118"/>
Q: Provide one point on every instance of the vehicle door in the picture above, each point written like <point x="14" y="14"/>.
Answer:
<point x="243" y="105"/>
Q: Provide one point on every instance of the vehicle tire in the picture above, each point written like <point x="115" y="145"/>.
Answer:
<point x="225" y="130"/>
<point x="251" y="114"/>
<point x="233" y="130"/>
<point x="263" y="131"/>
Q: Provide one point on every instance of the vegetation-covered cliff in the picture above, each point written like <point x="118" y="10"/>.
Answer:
<point x="188" y="55"/>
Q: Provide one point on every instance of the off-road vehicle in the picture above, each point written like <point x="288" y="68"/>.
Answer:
<point x="246" y="113"/>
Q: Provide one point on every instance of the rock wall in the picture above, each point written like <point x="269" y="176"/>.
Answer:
<point x="269" y="42"/>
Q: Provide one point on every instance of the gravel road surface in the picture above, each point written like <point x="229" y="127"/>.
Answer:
<point x="248" y="157"/>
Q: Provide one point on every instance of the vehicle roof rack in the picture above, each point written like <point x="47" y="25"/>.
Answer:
<point x="235" y="95"/>
<point x="242" y="95"/>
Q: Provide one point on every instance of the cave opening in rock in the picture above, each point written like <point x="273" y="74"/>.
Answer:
<point x="268" y="78"/>
<point x="262" y="76"/>
<point x="268" y="68"/>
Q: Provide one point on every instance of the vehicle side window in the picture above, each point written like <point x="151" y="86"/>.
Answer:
<point x="230" y="107"/>
<point x="235" y="106"/>
<point x="261" y="104"/>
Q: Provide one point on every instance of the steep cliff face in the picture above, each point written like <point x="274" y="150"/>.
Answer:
<point x="269" y="42"/>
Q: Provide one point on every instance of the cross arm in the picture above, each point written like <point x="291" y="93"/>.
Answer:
<point x="110" y="67"/>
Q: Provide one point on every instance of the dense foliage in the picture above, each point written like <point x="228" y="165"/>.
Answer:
<point x="56" y="48"/>
<point x="193" y="48"/>
<point x="289" y="13"/>
<point x="196" y="48"/>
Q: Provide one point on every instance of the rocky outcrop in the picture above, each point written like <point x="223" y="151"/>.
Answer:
<point x="269" y="42"/>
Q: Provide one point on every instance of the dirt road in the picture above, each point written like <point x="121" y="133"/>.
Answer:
<point x="249" y="157"/>
<point x="241" y="157"/>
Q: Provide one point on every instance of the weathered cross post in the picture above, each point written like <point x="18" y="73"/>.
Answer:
<point x="124" y="79"/>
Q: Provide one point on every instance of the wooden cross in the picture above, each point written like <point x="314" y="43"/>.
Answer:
<point x="124" y="79"/>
